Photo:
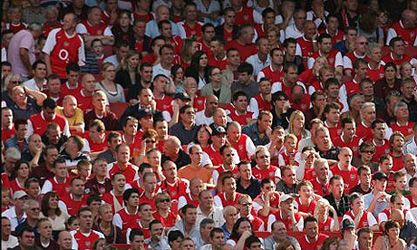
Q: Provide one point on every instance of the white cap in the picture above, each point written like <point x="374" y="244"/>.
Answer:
<point x="285" y="197"/>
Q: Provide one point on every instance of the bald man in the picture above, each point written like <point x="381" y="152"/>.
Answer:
<point x="85" y="95"/>
<point x="161" y="13"/>
<point x="405" y="28"/>
<point x="65" y="240"/>
<point x="72" y="113"/>
<point x="345" y="169"/>
<point x="206" y="116"/>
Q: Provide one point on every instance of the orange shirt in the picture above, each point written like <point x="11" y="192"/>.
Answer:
<point x="188" y="172"/>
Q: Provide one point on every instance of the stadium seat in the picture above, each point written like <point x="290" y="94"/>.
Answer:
<point x="118" y="108"/>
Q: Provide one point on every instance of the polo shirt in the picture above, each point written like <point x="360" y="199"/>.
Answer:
<point x="253" y="190"/>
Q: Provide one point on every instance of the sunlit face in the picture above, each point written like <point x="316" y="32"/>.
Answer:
<point x="345" y="157"/>
<point x="70" y="106"/>
<point x="241" y="103"/>
<point x="123" y="154"/>
<point x="99" y="102"/>
<point x="326" y="45"/>
<point x="263" y="159"/>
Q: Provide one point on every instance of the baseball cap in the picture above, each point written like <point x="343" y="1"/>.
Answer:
<point x="379" y="176"/>
<point x="219" y="131"/>
<point x="347" y="224"/>
<point x="182" y="96"/>
<point x="19" y="194"/>
<point x="285" y="197"/>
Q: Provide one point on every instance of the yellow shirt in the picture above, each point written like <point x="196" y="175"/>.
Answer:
<point x="75" y="120"/>
<point x="188" y="172"/>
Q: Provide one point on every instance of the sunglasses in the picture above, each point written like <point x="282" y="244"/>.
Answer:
<point x="150" y="141"/>
<point x="16" y="82"/>
<point x="228" y="155"/>
<point x="190" y="113"/>
<point x="165" y="200"/>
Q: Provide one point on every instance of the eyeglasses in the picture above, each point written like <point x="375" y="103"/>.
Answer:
<point x="165" y="200"/>
<point x="35" y="209"/>
<point x="368" y="151"/>
<point x="150" y="141"/>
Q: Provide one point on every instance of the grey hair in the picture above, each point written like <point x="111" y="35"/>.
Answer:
<point x="372" y="46"/>
<point x="13" y="153"/>
<point x="174" y="140"/>
<point x="353" y="97"/>
<point x="205" y="222"/>
<point x="399" y="105"/>
<point x="8" y="78"/>
<point x="35" y="27"/>
<point x="365" y="106"/>
<point x="227" y="209"/>
<point x="27" y="204"/>
<point x="51" y="9"/>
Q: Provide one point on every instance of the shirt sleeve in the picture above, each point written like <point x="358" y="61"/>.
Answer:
<point x="217" y="201"/>
<point x="250" y="146"/>
<point x="271" y="220"/>
<point x="276" y="86"/>
<point x="338" y="60"/>
<point x="50" y="42"/>
<point x="117" y="221"/>
<point x="81" y="29"/>
<point x="74" y="242"/>
<point x="66" y="130"/>
<point x="253" y="107"/>
<point x="347" y="63"/>
<point x="310" y="63"/>
<point x="391" y="34"/>
<point x="298" y="51"/>
<point x="182" y="202"/>
<point x="371" y="220"/>
<point x="81" y="54"/>
<point x="382" y="217"/>
<point x="47" y="187"/>
<point x="30" y="128"/>
<point x="107" y="32"/>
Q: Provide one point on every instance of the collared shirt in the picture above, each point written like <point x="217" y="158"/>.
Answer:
<point x="14" y="221"/>
<point x="160" y="245"/>
<point x="270" y="243"/>
<point x="257" y="64"/>
<point x="216" y="214"/>
<point x="380" y="204"/>
<point x="253" y="190"/>
<point x="253" y="132"/>
<point x="194" y="234"/>
<point x="31" y="84"/>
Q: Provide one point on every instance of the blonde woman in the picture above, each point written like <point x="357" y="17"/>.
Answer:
<point x="326" y="223"/>
<point x="113" y="91"/>
<point x="163" y="210"/>
<point x="11" y="81"/>
<point x="297" y="126"/>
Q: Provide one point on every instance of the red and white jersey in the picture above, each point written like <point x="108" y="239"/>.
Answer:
<point x="7" y="133"/>
<point x="405" y="58"/>
<point x="81" y="241"/>
<point x="15" y="27"/>
<point x="244" y="147"/>
<point x="305" y="208"/>
<point x="242" y="119"/>
<point x="53" y="185"/>
<point x="272" y="172"/>
<point x="385" y="214"/>
<point x="221" y="201"/>
<point x="364" y="132"/>
<point x="131" y="172"/>
<point x="410" y="199"/>
<point x="350" y="58"/>
<point x="37" y="124"/>
<point x="175" y="190"/>
<point x="47" y="27"/>
<point x="187" y="31"/>
<point x="151" y="201"/>
<point x="274" y="76"/>
<point x="64" y="49"/>
<point x="312" y="245"/>
<point x="350" y="176"/>
<point x="305" y="47"/>
<point x="245" y="50"/>
<point x="282" y="86"/>
<point x="352" y="87"/>
<point x="85" y="28"/>
<point x="15" y="186"/>
<point x="327" y="225"/>
<point x="285" y="158"/>
<point x="377" y="73"/>
<point x="304" y="105"/>
<point x="67" y="90"/>
<point x="316" y="86"/>
<point x="398" y="29"/>
<point x="164" y="104"/>
<point x="115" y="201"/>
<point x="220" y="169"/>
<point x="84" y="102"/>
<point x="260" y="200"/>
<point x="334" y="132"/>
<point x="397" y="162"/>
<point x="71" y="206"/>
<point x="288" y="223"/>
<point x="187" y="199"/>
<point x="337" y="37"/>
<point x="260" y="30"/>
<point x="367" y="220"/>
<point x="354" y="144"/>
<point x="124" y="220"/>
<point x="380" y="150"/>
<point x="214" y="155"/>
<point x="406" y="129"/>
<point x="258" y="103"/>
<point x="320" y="189"/>
<point x="244" y="16"/>
<point x="222" y="64"/>
<point x="334" y="59"/>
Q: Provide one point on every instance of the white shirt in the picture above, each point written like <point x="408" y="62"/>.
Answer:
<point x="157" y="69"/>
<point x="257" y="64"/>
<point x="272" y="219"/>
<point x="201" y="118"/>
<point x="10" y="243"/>
<point x="292" y="31"/>
<point x="410" y="147"/>
<point x="216" y="215"/>
<point x="31" y="84"/>
<point x="11" y="214"/>
<point x="152" y="29"/>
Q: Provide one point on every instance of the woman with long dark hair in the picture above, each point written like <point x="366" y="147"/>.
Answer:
<point x="20" y="175"/>
<point x="242" y="229"/>
<point x="50" y="210"/>
<point x="199" y="68"/>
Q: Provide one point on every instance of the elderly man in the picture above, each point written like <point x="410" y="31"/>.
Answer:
<point x="405" y="28"/>
<point x="32" y="211"/>
<point x="16" y="214"/>
<point x="403" y="123"/>
<point x="287" y="214"/>
<point x="100" y="111"/>
<point x="279" y="234"/>
<point x="220" y="119"/>
<point x="26" y="102"/>
<point x="72" y="113"/>
<point x="7" y="239"/>
<point x="162" y="13"/>
<point x="21" y="51"/>
<point x="186" y="129"/>
<point x="410" y="167"/>
<point x="206" y="209"/>
<point x="368" y="115"/>
<point x="174" y="152"/>
<point x="64" y="240"/>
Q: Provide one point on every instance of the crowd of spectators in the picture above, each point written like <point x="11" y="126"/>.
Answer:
<point x="209" y="124"/>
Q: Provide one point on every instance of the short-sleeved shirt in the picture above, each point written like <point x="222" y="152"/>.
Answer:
<point x="22" y="39"/>
<point x="76" y="119"/>
<point x="189" y="172"/>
